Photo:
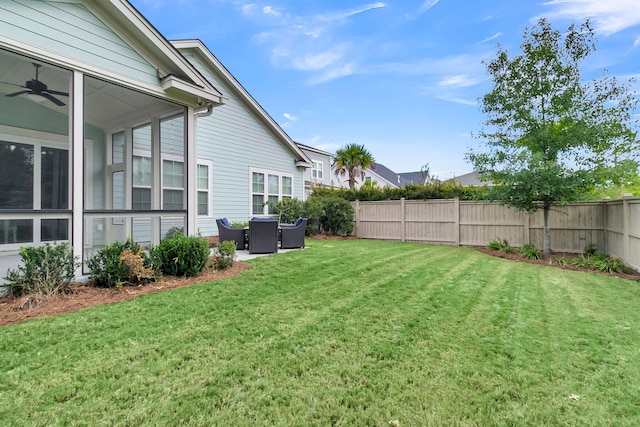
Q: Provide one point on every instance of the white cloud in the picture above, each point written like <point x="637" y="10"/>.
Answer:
<point x="636" y="43"/>
<point x="316" y="43"/>
<point x="493" y="37"/>
<point x="460" y="80"/>
<point x="333" y="73"/>
<point x="337" y="16"/>
<point x="609" y="16"/>
<point x="269" y="10"/>
<point x="317" y="61"/>
<point x="290" y="117"/>
<point x="248" y="8"/>
<point x="428" y="5"/>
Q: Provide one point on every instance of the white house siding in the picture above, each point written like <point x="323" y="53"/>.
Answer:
<point x="71" y="30"/>
<point x="235" y="140"/>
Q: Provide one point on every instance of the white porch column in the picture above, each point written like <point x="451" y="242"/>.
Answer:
<point x="191" y="162"/>
<point x="77" y="156"/>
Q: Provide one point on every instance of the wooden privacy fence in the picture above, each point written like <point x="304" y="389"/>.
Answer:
<point x="612" y="225"/>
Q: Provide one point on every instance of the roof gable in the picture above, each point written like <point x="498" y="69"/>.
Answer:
<point x="200" y="51"/>
<point x="109" y="39"/>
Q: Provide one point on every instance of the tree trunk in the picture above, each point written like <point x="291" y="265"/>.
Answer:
<point x="546" y="234"/>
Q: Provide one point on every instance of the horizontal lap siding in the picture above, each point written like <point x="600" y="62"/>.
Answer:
<point x="235" y="140"/>
<point x="71" y="30"/>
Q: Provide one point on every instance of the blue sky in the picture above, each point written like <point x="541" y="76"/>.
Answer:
<point x="401" y="77"/>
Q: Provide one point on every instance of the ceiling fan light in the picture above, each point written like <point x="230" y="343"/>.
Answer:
<point x="36" y="97"/>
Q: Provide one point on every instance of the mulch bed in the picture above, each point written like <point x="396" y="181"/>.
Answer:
<point x="549" y="260"/>
<point x="88" y="296"/>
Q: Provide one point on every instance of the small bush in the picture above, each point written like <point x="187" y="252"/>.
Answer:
<point x="500" y="245"/>
<point x="290" y="210"/>
<point x="224" y="256"/>
<point x="313" y="211"/>
<point x="529" y="251"/>
<point x="591" y="249"/>
<point x="562" y="261"/>
<point x="135" y="262"/>
<point x="173" y="232"/>
<point x="47" y="270"/>
<point x="338" y="216"/>
<point x="182" y="255"/>
<point x="107" y="269"/>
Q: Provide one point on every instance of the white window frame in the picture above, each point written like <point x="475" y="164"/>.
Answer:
<point x="266" y="194"/>
<point x="209" y="165"/>
<point x="38" y="140"/>
<point x="317" y="172"/>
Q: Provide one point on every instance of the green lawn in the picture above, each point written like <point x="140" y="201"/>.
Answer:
<point x="341" y="333"/>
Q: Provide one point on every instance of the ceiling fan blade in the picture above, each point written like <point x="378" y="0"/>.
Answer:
<point x="52" y="99"/>
<point x="18" y="93"/>
<point x="57" y="92"/>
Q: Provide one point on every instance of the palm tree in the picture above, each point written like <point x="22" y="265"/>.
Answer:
<point x="352" y="160"/>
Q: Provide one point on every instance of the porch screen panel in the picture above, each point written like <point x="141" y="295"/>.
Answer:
<point x="172" y="140"/>
<point x="16" y="175"/>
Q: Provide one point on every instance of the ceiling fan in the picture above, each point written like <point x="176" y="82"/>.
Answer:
<point x="35" y="88"/>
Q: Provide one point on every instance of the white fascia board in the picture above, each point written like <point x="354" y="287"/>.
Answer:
<point x="219" y="69"/>
<point x="173" y="83"/>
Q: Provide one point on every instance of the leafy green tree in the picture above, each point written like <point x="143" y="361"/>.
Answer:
<point x="550" y="136"/>
<point x="352" y="160"/>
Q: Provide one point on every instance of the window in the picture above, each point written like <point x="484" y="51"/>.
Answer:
<point x="204" y="187"/>
<point x="317" y="171"/>
<point x="172" y="152"/>
<point x="142" y="172"/>
<point x="267" y="189"/>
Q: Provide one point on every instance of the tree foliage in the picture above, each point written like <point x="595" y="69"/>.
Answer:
<point x="352" y="160"/>
<point x="549" y="136"/>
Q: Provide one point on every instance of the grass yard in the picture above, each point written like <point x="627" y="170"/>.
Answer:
<point x="342" y="333"/>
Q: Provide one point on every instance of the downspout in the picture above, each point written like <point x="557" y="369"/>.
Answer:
<point x="204" y="113"/>
<point x="192" y="207"/>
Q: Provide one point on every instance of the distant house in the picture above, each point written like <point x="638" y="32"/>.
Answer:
<point x="471" y="179"/>
<point x="418" y="178"/>
<point x="320" y="173"/>
<point x="109" y="131"/>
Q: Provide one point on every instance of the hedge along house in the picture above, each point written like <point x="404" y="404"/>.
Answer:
<point x="98" y="116"/>
<point x="254" y="163"/>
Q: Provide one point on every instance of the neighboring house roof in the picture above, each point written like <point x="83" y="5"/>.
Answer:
<point x="389" y="175"/>
<point x="197" y="48"/>
<point x="412" y="178"/>
<point x="471" y="179"/>
<point x="314" y="150"/>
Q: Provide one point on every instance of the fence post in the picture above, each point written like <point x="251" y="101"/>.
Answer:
<point x="456" y="225"/>
<point x="626" y="218"/>
<point x="357" y="213"/>
<point x="403" y="217"/>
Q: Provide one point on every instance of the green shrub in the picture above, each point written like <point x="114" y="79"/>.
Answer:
<point x="338" y="216"/>
<point x="313" y="211"/>
<point x="500" y="245"/>
<point x="290" y="210"/>
<point x="239" y="224"/>
<point x="173" y="232"/>
<point x="182" y="255"/>
<point x="47" y="270"/>
<point x="529" y="251"/>
<point x="108" y="268"/>
<point x="591" y="249"/>
<point x="224" y="255"/>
